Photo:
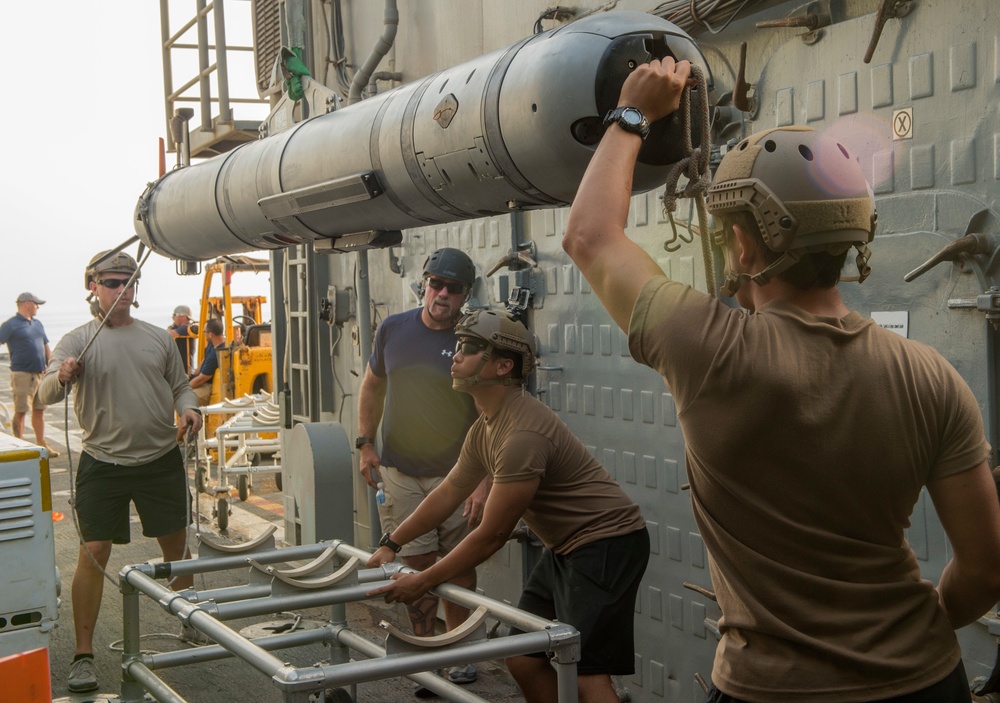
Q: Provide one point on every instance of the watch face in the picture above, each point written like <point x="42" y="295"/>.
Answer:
<point x="633" y="117"/>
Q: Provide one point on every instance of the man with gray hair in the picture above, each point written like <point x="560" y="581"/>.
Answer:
<point x="28" y="345"/>
<point x="407" y="390"/>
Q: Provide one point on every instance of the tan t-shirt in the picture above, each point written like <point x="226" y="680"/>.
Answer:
<point x="808" y="441"/>
<point x="577" y="501"/>
<point x="132" y="383"/>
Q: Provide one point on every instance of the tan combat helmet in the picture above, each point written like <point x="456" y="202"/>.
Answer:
<point x="119" y="263"/>
<point x="806" y="192"/>
<point x="499" y="331"/>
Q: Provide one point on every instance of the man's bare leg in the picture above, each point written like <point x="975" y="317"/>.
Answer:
<point x="455" y="614"/>
<point x="17" y="425"/>
<point x="423" y="613"/>
<point x="88" y="588"/>
<point x="174" y="548"/>
<point x="538" y="683"/>
<point x="38" y="425"/>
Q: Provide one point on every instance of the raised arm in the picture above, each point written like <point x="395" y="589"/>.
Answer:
<point x="615" y="266"/>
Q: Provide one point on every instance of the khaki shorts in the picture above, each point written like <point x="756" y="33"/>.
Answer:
<point x="403" y="493"/>
<point x="25" y="385"/>
<point x="203" y="393"/>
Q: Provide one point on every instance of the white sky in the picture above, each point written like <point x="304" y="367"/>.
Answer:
<point x="80" y="123"/>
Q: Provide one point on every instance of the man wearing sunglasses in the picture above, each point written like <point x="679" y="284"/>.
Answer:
<point x="126" y="387"/>
<point x="407" y="390"/>
<point x="596" y="543"/>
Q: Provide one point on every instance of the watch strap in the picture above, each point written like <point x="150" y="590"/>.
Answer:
<point x="617" y="116"/>
<point x="386" y="542"/>
<point x="361" y="441"/>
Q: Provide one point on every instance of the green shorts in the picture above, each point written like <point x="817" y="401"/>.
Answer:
<point x="593" y="588"/>
<point x="403" y="493"/>
<point x="158" y="489"/>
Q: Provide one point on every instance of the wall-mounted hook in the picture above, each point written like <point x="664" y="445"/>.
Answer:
<point x="969" y="244"/>
<point x="744" y="97"/>
<point x="515" y="261"/>
<point x="886" y="10"/>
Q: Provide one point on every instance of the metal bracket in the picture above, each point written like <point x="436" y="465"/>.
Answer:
<point x="318" y="100"/>
<point x="373" y="239"/>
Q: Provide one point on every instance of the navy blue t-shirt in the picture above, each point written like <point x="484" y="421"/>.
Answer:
<point x="425" y="419"/>
<point x="25" y="340"/>
<point x="211" y="361"/>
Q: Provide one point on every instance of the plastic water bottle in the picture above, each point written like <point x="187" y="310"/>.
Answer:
<point x="380" y="494"/>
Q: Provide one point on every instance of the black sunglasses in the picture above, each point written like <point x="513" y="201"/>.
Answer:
<point x="470" y="347"/>
<point x="438" y="284"/>
<point x="114" y="283"/>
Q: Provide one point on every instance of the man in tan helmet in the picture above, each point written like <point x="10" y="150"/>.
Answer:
<point x="127" y="385"/>
<point x="809" y="430"/>
<point x="596" y="541"/>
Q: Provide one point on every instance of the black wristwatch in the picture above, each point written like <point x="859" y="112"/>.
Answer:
<point x="630" y="119"/>
<point x="362" y="441"/>
<point x="386" y="542"/>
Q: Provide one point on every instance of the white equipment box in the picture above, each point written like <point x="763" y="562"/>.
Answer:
<point x="28" y="578"/>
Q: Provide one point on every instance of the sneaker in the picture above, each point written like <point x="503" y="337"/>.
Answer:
<point x="462" y="674"/>
<point x="82" y="675"/>
<point x="420" y="692"/>
<point x="194" y="637"/>
<point x="53" y="452"/>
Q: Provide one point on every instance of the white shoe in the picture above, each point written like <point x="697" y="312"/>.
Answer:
<point x="82" y="675"/>
<point x="194" y="637"/>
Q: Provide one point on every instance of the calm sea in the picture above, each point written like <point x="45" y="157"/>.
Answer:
<point x="60" y="320"/>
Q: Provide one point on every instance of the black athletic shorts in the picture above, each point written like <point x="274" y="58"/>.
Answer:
<point x="954" y="688"/>
<point x="593" y="588"/>
<point x="104" y="491"/>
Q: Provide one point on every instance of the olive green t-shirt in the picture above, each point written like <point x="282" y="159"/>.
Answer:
<point x="577" y="501"/>
<point x="808" y="441"/>
<point x="132" y="382"/>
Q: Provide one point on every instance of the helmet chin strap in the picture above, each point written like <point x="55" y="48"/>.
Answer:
<point x="734" y="281"/>
<point x="476" y="379"/>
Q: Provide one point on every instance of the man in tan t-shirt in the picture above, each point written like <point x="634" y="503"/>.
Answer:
<point x="596" y="543"/>
<point x="809" y="430"/>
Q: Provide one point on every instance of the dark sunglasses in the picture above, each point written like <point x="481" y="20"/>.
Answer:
<point x="114" y="283"/>
<point x="470" y="347"/>
<point x="438" y="284"/>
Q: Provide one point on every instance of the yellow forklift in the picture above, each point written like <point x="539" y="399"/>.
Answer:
<point x="245" y="363"/>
